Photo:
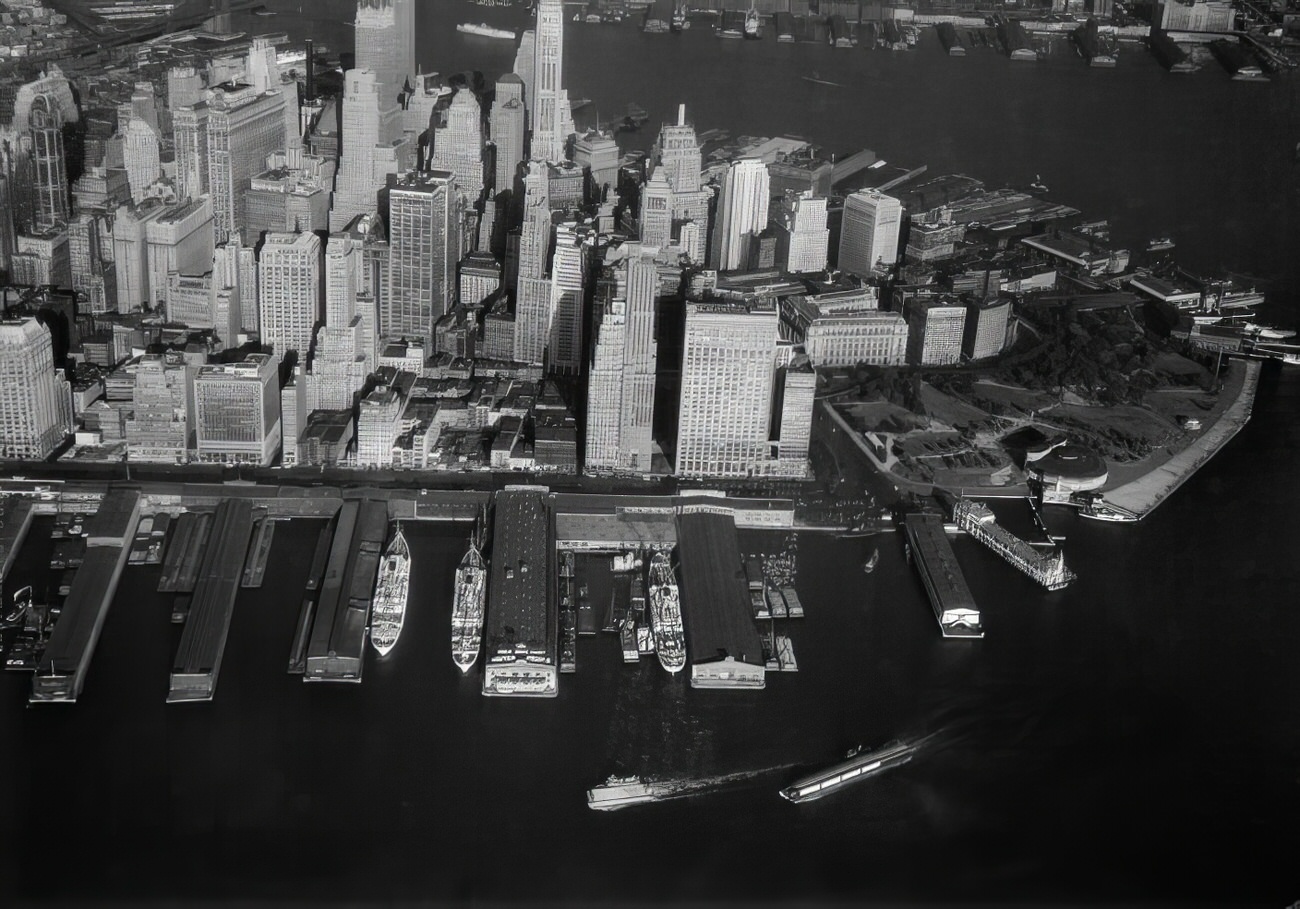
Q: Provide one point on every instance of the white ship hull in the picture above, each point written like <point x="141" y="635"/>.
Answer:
<point x="666" y="615"/>
<point x="388" y="612"/>
<point x="468" y="609"/>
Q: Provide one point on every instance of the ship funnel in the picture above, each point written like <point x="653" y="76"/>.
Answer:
<point x="681" y="115"/>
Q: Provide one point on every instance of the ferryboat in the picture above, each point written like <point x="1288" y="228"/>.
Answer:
<point x="389" y="606"/>
<point x="468" y="608"/>
<point x="857" y="765"/>
<point x="483" y="30"/>
<point x="666" y="615"/>
<point x="623" y="791"/>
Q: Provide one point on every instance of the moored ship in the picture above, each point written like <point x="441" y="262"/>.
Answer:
<point x="388" y="609"/>
<point x="666" y="615"/>
<point x="753" y="25"/>
<point x="468" y="608"/>
<point x="483" y="30"/>
<point x="857" y="765"/>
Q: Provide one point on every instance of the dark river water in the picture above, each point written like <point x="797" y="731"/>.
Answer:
<point x="1133" y="738"/>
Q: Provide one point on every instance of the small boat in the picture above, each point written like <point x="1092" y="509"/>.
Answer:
<point x="1160" y="244"/>
<point x="620" y="792"/>
<point x="389" y="610"/>
<point x="815" y="77"/>
<point x="17" y="612"/>
<point x="753" y="25"/>
<point x="730" y="33"/>
<point x="1038" y="185"/>
<point x="870" y="565"/>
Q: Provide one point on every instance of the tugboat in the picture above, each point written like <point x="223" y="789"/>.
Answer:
<point x="870" y="565"/>
<point x="753" y="25"/>
<point x="1160" y="244"/>
<point x="17" y="613"/>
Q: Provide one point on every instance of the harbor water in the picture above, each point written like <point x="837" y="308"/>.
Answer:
<point x="1134" y="737"/>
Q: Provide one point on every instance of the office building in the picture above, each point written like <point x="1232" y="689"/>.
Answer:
<point x="289" y="291"/>
<point x="597" y="153"/>
<point x="508" y="123"/>
<point x="533" y="301"/>
<point x="458" y="145"/>
<point x="35" y="400"/>
<point x="987" y="330"/>
<point x="141" y="146"/>
<point x="803" y="238"/>
<point x="573" y="243"/>
<point x="237" y="411"/>
<point x="177" y="239"/>
<point x="157" y="427"/>
<point x="51" y="171"/>
<point x="244" y="126"/>
<point x="620" y="391"/>
<point x="424" y="245"/>
<point x="726" y="389"/>
<point x="845" y="329"/>
<point x="385" y="44"/>
<point x="657" y="211"/>
<point x="936" y="325"/>
<point x="869" y="232"/>
<point x="480" y="277"/>
<point x="552" y="118"/>
<point x="742" y="213"/>
<point x="373" y="148"/>
<point x="190" y="129"/>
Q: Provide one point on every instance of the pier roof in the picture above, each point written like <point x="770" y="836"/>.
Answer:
<point x="714" y="590"/>
<point x="519" y="589"/>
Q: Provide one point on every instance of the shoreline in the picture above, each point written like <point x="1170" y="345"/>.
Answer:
<point x="1143" y="494"/>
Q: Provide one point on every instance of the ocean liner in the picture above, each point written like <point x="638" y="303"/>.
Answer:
<point x="389" y="606"/>
<point x="468" y="608"/>
<point x="666" y="615"/>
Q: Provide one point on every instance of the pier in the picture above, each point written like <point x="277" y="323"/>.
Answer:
<point x="953" y="604"/>
<point x="181" y="565"/>
<point x="977" y="519"/>
<point x="203" y="642"/>
<point x="61" y="671"/>
<point x="336" y="648"/>
<point x="258" y="551"/>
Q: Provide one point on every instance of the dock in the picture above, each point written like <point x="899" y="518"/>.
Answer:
<point x="61" y="671"/>
<point x="181" y="566"/>
<point x="321" y="556"/>
<point x="258" y="551"/>
<point x="301" y="636"/>
<point x="1048" y="569"/>
<point x="203" y="642"/>
<point x="336" y="647"/>
<point x="950" y="597"/>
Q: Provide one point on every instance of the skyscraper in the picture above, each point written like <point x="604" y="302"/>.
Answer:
<point x="424" y="245"/>
<point x="140" y="148"/>
<point x="458" y="145"/>
<point x="728" y="361"/>
<point x="289" y="278"/>
<point x="533" y="296"/>
<point x="372" y="148"/>
<point x="678" y="153"/>
<point x="244" y="126"/>
<point x="742" y="213"/>
<point x="870" y="231"/>
<point x="551" y="115"/>
<point x="237" y="411"/>
<point x="385" y="44"/>
<point x="508" y="123"/>
<point x="190" y="126"/>
<point x="657" y="210"/>
<point x="802" y="235"/>
<point x="34" y="398"/>
<point x="568" y="291"/>
<point x="157" y="430"/>
<point x="46" y="124"/>
<point x="620" y="393"/>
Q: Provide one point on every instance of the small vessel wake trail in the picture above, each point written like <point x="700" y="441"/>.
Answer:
<point x="624" y="791"/>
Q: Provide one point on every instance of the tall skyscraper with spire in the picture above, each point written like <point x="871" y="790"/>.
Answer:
<point x="385" y="43"/>
<point x="51" y="164"/>
<point x="552" y="117"/>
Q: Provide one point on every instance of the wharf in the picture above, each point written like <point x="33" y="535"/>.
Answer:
<point x="181" y="565"/>
<point x="950" y="597"/>
<point x="61" y="671"/>
<point x="258" y="551"/>
<point x="16" y="514"/>
<point x="321" y="556"/>
<point x="203" y="642"/>
<point x="336" y="647"/>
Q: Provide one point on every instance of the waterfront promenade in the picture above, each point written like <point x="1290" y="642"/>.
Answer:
<point x="1141" y="495"/>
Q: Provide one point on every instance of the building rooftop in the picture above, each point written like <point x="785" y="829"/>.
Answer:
<point x="714" y="591"/>
<point x="519" y="593"/>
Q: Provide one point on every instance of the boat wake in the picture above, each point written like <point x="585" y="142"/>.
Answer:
<point x="685" y="788"/>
